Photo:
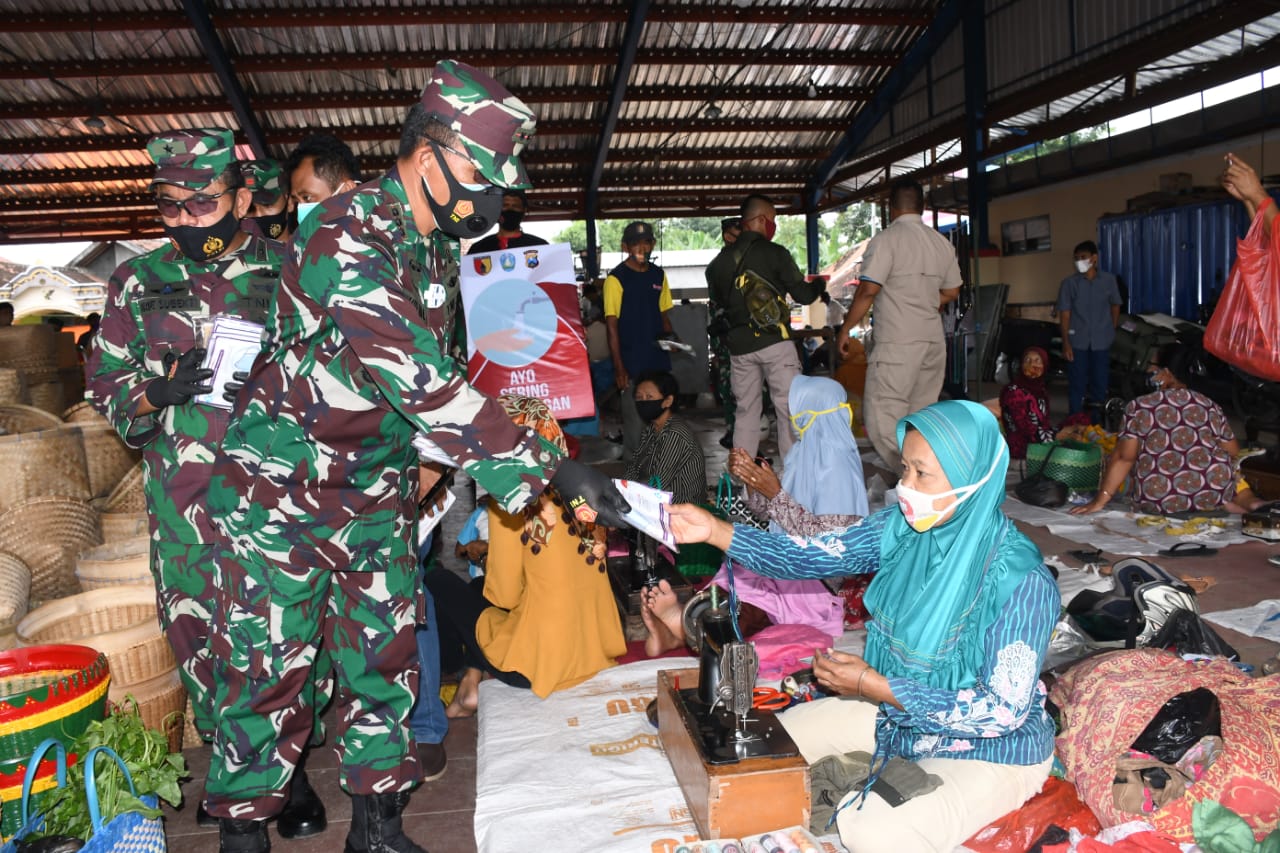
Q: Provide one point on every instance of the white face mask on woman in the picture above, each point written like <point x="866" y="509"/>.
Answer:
<point x="917" y="506"/>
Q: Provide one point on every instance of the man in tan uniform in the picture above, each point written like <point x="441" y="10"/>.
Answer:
<point x="909" y="271"/>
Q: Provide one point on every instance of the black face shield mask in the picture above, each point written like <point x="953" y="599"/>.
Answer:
<point x="202" y="244"/>
<point x="509" y="220"/>
<point x="471" y="210"/>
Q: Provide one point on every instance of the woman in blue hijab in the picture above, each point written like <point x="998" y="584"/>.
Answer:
<point x="962" y="610"/>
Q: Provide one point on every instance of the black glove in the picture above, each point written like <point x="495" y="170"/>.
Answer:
<point x="590" y="495"/>
<point x="232" y="388"/>
<point x="183" y="378"/>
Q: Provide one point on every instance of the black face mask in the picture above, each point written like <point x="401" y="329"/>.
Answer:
<point x="271" y="225"/>
<point x="470" y="212"/>
<point x="649" y="410"/>
<point x="509" y="220"/>
<point x="201" y="244"/>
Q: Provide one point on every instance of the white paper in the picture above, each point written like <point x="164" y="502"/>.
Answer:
<point x="675" y="346"/>
<point x="429" y="451"/>
<point x="432" y="517"/>
<point x="650" y="511"/>
<point x="232" y="346"/>
<point x="1258" y="620"/>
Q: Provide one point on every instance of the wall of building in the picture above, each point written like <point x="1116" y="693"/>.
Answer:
<point x="1075" y="206"/>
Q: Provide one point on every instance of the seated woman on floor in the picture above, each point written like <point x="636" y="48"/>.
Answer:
<point x="668" y="453"/>
<point x="962" y="610"/>
<point x="547" y="619"/>
<point x="1024" y="404"/>
<point x="1178" y="445"/>
<point x="821" y="489"/>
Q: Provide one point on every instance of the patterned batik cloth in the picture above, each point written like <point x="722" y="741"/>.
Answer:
<point x="1181" y="463"/>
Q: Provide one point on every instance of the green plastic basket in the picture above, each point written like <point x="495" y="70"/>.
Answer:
<point x="1078" y="464"/>
<point x="45" y="692"/>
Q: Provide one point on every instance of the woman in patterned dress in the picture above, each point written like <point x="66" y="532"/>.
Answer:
<point x="1178" y="447"/>
<point x="1024" y="404"/>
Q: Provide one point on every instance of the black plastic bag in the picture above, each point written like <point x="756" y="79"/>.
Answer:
<point x="1180" y="724"/>
<point x="1188" y="634"/>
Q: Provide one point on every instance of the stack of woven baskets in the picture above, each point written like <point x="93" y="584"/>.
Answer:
<point x="74" y="545"/>
<point x="32" y="352"/>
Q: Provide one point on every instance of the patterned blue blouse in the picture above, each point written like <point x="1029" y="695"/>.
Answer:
<point x="1002" y="718"/>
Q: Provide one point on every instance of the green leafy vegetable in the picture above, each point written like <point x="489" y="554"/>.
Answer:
<point x="144" y="751"/>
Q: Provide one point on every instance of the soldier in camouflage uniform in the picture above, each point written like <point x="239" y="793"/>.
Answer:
<point x="268" y="216"/>
<point x="317" y="484"/>
<point x="147" y="366"/>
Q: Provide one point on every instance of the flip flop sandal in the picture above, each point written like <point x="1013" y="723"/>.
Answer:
<point x="1189" y="549"/>
<point x="1087" y="555"/>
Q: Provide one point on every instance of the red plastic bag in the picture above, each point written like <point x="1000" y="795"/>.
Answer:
<point x="1057" y="804"/>
<point x="1245" y="328"/>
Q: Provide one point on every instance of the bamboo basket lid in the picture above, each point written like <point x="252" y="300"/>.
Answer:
<point x="47" y="534"/>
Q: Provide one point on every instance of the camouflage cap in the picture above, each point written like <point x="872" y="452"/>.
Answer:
<point x="191" y="158"/>
<point x="262" y="178"/>
<point x="637" y="231"/>
<point x="494" y="124"/>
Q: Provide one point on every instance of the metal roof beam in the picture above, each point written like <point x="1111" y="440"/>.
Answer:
<point x="609" y="121"/>
<point x="461" y="14"/>
<point x="391" y="133"/>
<point x="392" y="61"/>
<point x="221" y="62"/>
<point x="400" y="99"/>
<point x="552" y="159"/>
<point x="916" y="58"/>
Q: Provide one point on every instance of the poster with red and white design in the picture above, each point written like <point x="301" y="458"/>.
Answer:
<point x="524" y="327"/>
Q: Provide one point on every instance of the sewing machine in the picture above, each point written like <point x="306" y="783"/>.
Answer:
<point x="738" y="768"/>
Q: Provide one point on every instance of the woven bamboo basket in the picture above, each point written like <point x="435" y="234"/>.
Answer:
<point x="127" y="496"/>
<point x="16" y="418"/>
<point x="15" y="589"/>
<point x="45" y="691"/>
<point x="29" y="348"/>
<point x="126" y="562"/>
<point x="118" y="526"/>
<point x="107" y="458"/>
<point x="47" y="462"/>
<point x="13" y="387"/>
<point x="161" y="701"/>
<point x="49" y="396"/>
<point x="120" y="622"/>
<point x="47" y="534"/>
<point x="83" y="413"/>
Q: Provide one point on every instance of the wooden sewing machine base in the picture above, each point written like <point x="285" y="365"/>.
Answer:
<point x="751" y="796"/>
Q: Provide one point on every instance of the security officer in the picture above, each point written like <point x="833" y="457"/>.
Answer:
<point x="147" y="370"/>
<point x="268" y="216"/>
<point x="316" y="486"/>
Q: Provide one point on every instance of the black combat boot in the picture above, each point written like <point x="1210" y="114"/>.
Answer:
<point x="375" y="825"/>
<point x="242" y="836"/>
<point x="303" y="815"/>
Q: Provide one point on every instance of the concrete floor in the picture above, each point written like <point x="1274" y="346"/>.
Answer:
<point x="440" y="814"/>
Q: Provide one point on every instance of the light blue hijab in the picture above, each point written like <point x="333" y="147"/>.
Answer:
<point x="823" y="470"/>
<point x="938" y="592"/>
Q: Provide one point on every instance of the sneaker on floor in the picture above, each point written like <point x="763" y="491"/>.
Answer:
<point x="433" y="760"/>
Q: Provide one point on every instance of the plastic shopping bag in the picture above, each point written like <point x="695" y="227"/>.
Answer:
<point x="1245" y="329"/>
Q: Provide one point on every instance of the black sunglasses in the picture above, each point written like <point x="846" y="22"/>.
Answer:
<point x="197" y="205"/>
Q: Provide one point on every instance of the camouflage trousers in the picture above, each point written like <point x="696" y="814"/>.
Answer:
<point x="185" y="596"/>
<point x="724" y="387"/>
<point x="268" y="627"/>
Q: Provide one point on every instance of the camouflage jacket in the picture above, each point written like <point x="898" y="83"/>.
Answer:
<point x="154" y="304"/>
<point x="317" y="465"/>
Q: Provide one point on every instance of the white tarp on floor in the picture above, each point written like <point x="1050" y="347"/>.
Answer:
<point x="1121" y="533"/>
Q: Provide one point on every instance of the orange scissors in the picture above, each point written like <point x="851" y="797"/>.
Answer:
<point x="769" y="699"/>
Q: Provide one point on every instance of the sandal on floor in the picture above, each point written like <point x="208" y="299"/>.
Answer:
<point x="1189" y="549"/>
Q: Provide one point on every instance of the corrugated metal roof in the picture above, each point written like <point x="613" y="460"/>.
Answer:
<point x="725" y="97"/>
